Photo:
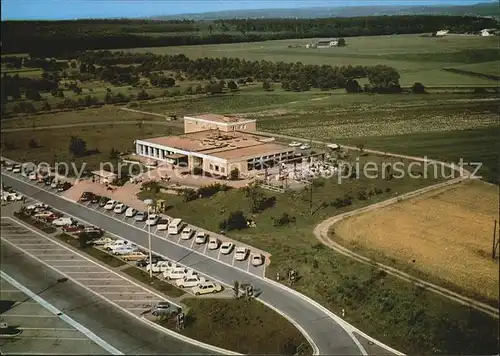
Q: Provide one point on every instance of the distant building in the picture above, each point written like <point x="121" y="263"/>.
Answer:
<point x="441" y="33"/>
<point x="328" y="43"/>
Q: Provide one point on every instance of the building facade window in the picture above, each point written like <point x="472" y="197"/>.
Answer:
<point x="216" y="168"/>
<point x="222" y="170"/>
<point x="211" y="167"/>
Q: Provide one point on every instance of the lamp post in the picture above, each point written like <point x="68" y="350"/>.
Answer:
<point x="149" y="202"/>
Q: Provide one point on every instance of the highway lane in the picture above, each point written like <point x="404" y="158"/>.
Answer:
<point x="327" y="335"/>
<point x="128" y="335"/>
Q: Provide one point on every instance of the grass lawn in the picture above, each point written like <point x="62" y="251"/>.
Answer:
<point x="434" y="235"/>
<point x="105" y="113"/>
<point x="473" y="145"/>
<point x="24" y="72"/>
<point x="492" y="67"/>
<point x="156" y="283"/>
<point x="102" y="256"/>
<point x="248" y="327"/>
<point x="100" y="140"/>
<point x="403" y="52"/>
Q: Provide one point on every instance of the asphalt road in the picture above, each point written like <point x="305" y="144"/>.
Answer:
<point x="329" y="336"/>
<point x="115" y="327"/>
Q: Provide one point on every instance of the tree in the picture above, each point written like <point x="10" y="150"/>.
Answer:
<point x="294" y="86"/>
<point x="232" y="85"/>
<point x="77" y="146"/>
<point x="285" y="85"/>
<point x="114" y="154"/>
<point x="210" y="28"/>
<point x="32" y="94"/>
<point x="46" y="106"/>
<point x="235" y="221"/>
<point x="213" y="88"/>
<point x="304" y="86"/>
<point x="142" y="95"/>
<point x="266" y="85"/>
<point x="189" y="195"/>
<point x="352" y="86"/>
<point x="236" y="289"/>
<point x="341" y="42"/>
<point x="418" y="88"/>
<point x="234" y="174"/>
<point x="170" y="82"/>
<point x="76" y="89"/>
<point x="384" y="77"/>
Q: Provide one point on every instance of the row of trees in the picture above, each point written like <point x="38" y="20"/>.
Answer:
<point x="49" y="38"/>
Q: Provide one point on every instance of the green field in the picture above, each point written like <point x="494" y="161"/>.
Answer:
<point x="417" y="58"/>
<point x="492" y="67"/>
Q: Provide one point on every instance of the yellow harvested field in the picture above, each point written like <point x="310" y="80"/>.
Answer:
<point x="446" y="235"/>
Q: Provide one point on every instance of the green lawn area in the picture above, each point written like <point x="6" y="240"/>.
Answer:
<point x="492" y="67"/>
<point x="23" y="72"/>
<point x="403" y="52"/>
<point x="239" y="325"/>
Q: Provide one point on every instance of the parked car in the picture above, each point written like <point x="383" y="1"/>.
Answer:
<point x="213" y="243"/>
<point x="103" y="201"/>
<point x="226" y="248"/>
<point x="33" y="175"/>
<point x="35" y="206"/>
<point x="63" y="221"/>
<point x="120" y="208"/>
<point x="130" y="212"/>
<point x="63" y="186"/>
<point x="43" y="214"/>
<point x="257" y="259"/>
<point x="9" y="167"/>
<point x="54" y="184"/>
<point x="16" y="168"/>
<point x="110" y="205"/>
<point x="141" y="216"/>
<point x="163" y="224"/>
<point x="201" y="238"/>
<point x="305" y="146"/>
<point x="176" y="273"/>
<point x="48" y="180"/>
<point x="86" y="196"/>
<point x="161" y="266"/>
<point x="134" y="256"/>
<point x="145" y="261"/>
<point x="124" y="250"/>
<point x="50" y="218"/>
<point x="206" y="288"/>
<point x="175" y="226"/>
<point x="294" y="144"/>
<point x="152" y="220"/>
<point x="95" y="199"/>
<point x="113" y="243"/>
<point x="103" y="241"/>
<point x="161" y="308"/>
<point x="75" y="228"/>
<point x="241" y="254"/>
<point x="190" y="281"/>
<point x="187" y="233"/>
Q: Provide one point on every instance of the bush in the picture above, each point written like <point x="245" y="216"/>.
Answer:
<point x="283" y="220"/>
<point x="418" y="88"/>
<point x="189" y="194"/>
<point x="210" y="190"/>
<point x="235" y="221"/>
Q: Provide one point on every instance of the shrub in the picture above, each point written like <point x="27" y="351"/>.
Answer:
<point x="418" y="88"/>
<point x="189" y="194"/>
<point x="283" y="220"/>
<point x="210" y="190"/>
<point x="235" y="221"/>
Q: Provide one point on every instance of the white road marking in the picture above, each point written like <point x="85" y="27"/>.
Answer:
<point x="62" y="316"/>
<point x="205" y="249"/>
<point x="192" y="242"/>
<point x="52" y="329"/>
<point x="21" y="336"/>
<point x="248" y="267"/>
<point x="218" y="255"/>
<point x="27" y="316"/>
<point x="98" y="279"/>
<point x="232" y="262"/>
<point x="110" y="286"/>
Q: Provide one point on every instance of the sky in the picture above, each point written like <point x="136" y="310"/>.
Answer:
<point x="72" y="9"/>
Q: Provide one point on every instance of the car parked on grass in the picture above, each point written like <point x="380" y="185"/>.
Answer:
<point x="152" y="219"/>
<point x="120" y="208"/>
<point x="141" y="216"/>
<point x="134" y="256"/>
<point x="213" y="243"/>
<point x="130" y="212"/>
<point x="124" y="250"/>
<point x="187" y="233"/>
<point x="110" y="205"/>
<point x="226" y="248"/>
<point x="163" y="224"/>
<point x="206" y="288"/>
<point x="241" y="254"/>
<point x="257" y="259"/>
<point x="190" y="281"/>
<point x="103" y="201"/>
<point x="63" y="221"/>
<point x="177" y="272"/>
<point x="201" y="238"/>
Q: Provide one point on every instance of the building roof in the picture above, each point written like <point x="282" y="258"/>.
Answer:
<point x="226" y="145"/>
<point x="218" y="118"/>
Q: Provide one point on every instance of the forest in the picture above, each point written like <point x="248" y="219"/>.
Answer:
<point x="53" y="38"/>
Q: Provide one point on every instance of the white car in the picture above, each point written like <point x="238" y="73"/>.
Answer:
<point x="294" y="144"/>
<point x="17" y="168"/>
<point x="153" y="219"/>
<point x="201" y="238"/>
<point x="37" y="206"/>
<point x="110" y="205"/>
<point x="213" y="243"/>
<point x="161" y="266"/>
<point x="305" y="146"/>
<point x="124" y="250"/>
<point x="63" y="221"/>
<point x="187" y="233"/>
<point x="226" y="248"/>
<point x="103" y="241"/>
<point x="177" y="273"/>
<point x="54" y="184"/>
<point x="257" y="259"/>
<point x="190" y="281"/>
<point x="120" y="208"/>
<point x="241" y="254"/>
<point x="130" y="212"/>
<point x="141" y="216"/>
<point x="206" y="288"/>
<point x="114" y="243"/>
<point x="163" y="224"/>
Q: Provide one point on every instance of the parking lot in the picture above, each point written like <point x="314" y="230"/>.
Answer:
<point x="228" y="259"/>
<point x="98" y="279"/>
<point x="41" y="331"/>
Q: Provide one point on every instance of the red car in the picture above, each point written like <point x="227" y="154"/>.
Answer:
<point x="75" y="229"/>
<point x="51" y="217"/>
